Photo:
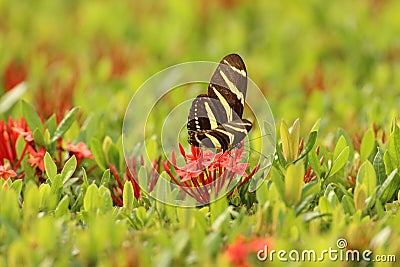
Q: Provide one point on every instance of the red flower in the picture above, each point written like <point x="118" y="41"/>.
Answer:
<point x="5" y="173"/>
<point x="10" y="131"/>
<point x="131" y="174"/>
<point x="239" y="251"/>
<point x="206" y="168"/>
<point x="14" y="74"/>
<point x="38" y="157"/>
<point x="80" y="151"/>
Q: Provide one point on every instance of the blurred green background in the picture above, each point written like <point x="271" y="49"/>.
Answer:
<point x="335" y="60"/>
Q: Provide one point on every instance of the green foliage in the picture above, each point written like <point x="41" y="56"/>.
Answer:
<point x="340" y="156"/>
<point x="294" y="183"/>
<point x="65" y="124"/>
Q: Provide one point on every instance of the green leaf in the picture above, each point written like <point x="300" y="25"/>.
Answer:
<point x="295" y="138"/>
<point x="46" y="138"/>
<point x="349" y="141"/>
<point x="62" y="207"/>
<point x="105" y="178"/>
<point x="324" y="205"/>
<point x="313" y="159"/>
<point x="69" y="169"/>
<point x="98" y="154"/>
<point x="31" y="117"/>
<point x="65" y="124"/>
<point x="278" y="182"/>
<point x="12" y="96"/>
<point x="366" y="175"/>
<point x="141" y="215"/>
<point x="128" y="195"/>
<point x="20" y="145"/>
<point x="286" y="142"/>
<point x="281" y="158"/>
<point x="51" y="124"/>
<point x="217" y="208"/>
<point x="379" y="166"/>
<point x="105" y="196"/>
<point x="360" y="195"/>
<point x="50" y="166"/>
<point x="38" y="137"/>
<point x="113" y="155"/>
<point x="304" y="203"/>
<point x="17" y="186"/>
<point x="332" y="198"/>
<point x="57" y="185"/>
<point x="46" y="198"/>
<point x="340" y="145"/>
<point x="348" y="205"/>
<point x="367" y="145"/>
<point x="340" y="161"/>
<point x="389" y="187"/>
<point x="392" y="155"/>
<point x="311" y="188"/>
<point x="31" y="202"/>
<point x="85" y="178"/>
<point x="262" y="193"/>
<point x="294" y="183"/>
<point x="91" y="199"/>
<point x="315" y="127"/>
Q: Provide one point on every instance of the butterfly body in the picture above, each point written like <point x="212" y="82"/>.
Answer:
<point x="215" y="119"/>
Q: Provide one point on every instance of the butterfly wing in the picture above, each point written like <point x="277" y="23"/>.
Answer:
<point x="226" y="136"/>
<point x="215" y="119"/>
<point x="229" y="85"/>
<point x="203" y="116"/>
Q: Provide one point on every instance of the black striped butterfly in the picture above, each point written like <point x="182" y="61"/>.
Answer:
<point x="215" y="119"/>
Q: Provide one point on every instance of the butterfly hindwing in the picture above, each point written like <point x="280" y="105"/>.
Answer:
<point x="225" y="136"/>
<point x="215" y="119"/>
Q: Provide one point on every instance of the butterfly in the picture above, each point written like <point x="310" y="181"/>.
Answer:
<point x="215" y="119"/>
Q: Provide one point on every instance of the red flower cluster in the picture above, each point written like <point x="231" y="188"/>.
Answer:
<point x="10" y="131"/>
<point x="9" y="134"/>
<point x="5" y="173"/>
<point x="131" y="174"/>
<point x="239" y="251"/>
<point x="80" y="151"/>
<point x="206" y="168"/>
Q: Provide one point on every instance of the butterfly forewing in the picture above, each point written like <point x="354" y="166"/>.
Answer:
<point x="229" y="85"/>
